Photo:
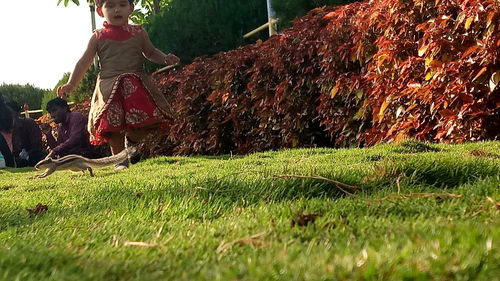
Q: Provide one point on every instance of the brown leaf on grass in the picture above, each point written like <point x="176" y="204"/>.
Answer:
<point x="139" y="195"/>
<point x="39" y="209"/>
<point x="6" y="187"/>
<point x="439" y="199"/>
<point x="254" y="240"/>
<point x="303" y="219"/>
<point x="496" y="203"/>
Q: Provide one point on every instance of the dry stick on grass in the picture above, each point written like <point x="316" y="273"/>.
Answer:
<point x="140" y="244"/>
<point x="339" y="184"/>
<point x="398" y="184"/>
<point x="412" y="195"/>
<point x="254" y="240"/>
<point x="495" y="203"/>
<point x="397" y="195"/>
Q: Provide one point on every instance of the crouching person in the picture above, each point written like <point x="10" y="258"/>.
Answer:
<point x="72" y="135"/>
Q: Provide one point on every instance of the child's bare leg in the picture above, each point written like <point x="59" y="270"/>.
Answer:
<point x="116" y="142"/>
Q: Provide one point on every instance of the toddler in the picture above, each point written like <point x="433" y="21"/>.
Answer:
<point x="125" y="103"/>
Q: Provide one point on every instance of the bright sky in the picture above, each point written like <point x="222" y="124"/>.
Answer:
<point x="41" y="41"/>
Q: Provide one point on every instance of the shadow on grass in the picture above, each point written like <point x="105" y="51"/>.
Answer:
<point x="212" y="197"/>
<point x="70" y="263"/>
<point x="447" y="173"/>
<point x="16" y="170"/>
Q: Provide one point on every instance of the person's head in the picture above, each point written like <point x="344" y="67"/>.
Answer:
<point x="14" y="106"/>
<point x="15" y="109"/>
<point x="58" y="109"/>
<point x="6" y="118"/>
<point x="116" y="12"/>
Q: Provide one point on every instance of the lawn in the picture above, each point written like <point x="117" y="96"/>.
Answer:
<point x="407" y="211"/>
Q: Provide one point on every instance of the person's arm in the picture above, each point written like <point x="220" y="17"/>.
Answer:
<point x="77" y="135"/>
<point x="47" y="131"/>
<point x="80" y="68"/>
<point x="153" y="54"/>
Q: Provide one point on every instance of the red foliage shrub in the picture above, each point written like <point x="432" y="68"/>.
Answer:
<point x="359" y="74"/>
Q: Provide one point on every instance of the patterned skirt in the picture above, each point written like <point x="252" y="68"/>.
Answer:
<point x="131" y="107"/>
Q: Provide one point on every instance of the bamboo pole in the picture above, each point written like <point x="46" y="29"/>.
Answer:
<point x="92" y="20"/>
<point x="271" y="15"/>
<point x="262" y="27"/>
<point x="163" y="69"/>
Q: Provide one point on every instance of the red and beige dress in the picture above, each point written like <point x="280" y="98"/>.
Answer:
<point x="125" y="97"/>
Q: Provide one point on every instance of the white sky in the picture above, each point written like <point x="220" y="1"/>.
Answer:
<point x="40" y="41"/>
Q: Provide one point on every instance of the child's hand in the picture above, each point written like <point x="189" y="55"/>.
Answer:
<point x="171" y="59"/>
<point x="65" y="89"/>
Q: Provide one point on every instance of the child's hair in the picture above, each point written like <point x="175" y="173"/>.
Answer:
<point x="99" y="3"/>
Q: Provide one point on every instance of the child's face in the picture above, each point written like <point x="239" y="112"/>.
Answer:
<point x="116" y="12"/>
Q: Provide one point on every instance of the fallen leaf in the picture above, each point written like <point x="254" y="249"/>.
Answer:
<point x="39" y="209"/>
<point x="303" y="219"/>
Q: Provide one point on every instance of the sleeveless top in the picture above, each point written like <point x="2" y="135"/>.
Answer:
<point x="119" y="49"/>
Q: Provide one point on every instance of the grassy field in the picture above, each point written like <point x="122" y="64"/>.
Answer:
<point x="410" y="211"/>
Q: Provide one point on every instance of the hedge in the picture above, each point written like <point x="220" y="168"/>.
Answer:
<point x="354" y="75"/>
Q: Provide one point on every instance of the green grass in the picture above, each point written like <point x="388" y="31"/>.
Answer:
<point x="200" y="212"/>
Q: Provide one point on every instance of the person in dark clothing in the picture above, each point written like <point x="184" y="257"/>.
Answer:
<point x="6" y="125"/>
<point x="72" y="135"/>
<point x="26" y="138"/>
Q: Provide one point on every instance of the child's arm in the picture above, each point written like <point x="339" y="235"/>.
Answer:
<point x="153" y="54"/>
<point x="80" y="68"/>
